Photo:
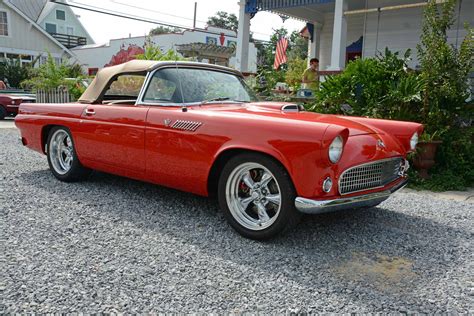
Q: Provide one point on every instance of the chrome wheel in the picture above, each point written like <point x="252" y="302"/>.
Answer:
<point x="61" y="152"/>
<point x="253" y="196"/>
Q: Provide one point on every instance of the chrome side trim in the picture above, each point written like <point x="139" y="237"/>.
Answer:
<point x="309" y="206"/>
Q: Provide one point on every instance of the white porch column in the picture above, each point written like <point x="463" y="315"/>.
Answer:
<point x="314" y="45"/>
<point x="243" y="37"/>
<point x="339" y="35"/>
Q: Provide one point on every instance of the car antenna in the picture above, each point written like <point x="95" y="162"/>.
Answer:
<point x="183" y="108"/>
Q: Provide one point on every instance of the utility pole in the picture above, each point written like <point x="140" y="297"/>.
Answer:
<point x="195" y="10"/>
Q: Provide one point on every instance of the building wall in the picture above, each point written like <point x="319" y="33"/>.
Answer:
<point x="399" y="30"/>
<point x="71" y="20"/>
<point x="24" y="38"/>
<point x="99" y="55"/>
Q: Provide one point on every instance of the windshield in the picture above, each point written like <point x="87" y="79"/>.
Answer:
<point x="194" y="85"/>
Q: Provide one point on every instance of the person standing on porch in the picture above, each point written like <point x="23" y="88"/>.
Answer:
<point x="311" y="76"/>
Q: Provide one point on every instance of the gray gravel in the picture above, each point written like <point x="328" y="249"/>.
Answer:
<point x="116" y="245"/>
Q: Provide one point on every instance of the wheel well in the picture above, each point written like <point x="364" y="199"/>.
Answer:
<point x="44" y="135"/>
<point x="220" y="162"/>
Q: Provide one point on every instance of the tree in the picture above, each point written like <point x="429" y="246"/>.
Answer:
<point x="164" y="30"/>
<point x="444" y="67"/>
<point x="51" y="75"/>
<point x="153" y="52"/>
<point x="224" y="20"/>
<point x="13" y="71"/>
<point x="297" y="48"/>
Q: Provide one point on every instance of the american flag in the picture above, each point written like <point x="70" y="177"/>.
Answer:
<point x="280" y="54"/>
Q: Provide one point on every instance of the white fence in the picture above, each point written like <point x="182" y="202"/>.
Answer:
<point x="58" y="95"/>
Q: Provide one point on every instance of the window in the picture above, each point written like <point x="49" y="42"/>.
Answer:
<point x="69" y="30"/>
<point x="3" y="23"/>
<point x="92" y="71"/>
<point x="197" y="85"/>
<point x="125" y="86"/>
<point x="13" y="56"/>
<point x="50" y="28"/>
<point x="60" y="15"/>
<point x="160" y="89"/>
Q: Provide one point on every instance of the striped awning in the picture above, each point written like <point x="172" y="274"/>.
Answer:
<point x="253" y="6"/>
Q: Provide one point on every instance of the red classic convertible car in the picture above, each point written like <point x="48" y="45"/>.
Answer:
<point x="198" y="128"/>
<point x="9" y="104"/>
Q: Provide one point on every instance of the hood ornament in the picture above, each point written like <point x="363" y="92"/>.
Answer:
<point x="380" y="143"/>
<point x="167" y="122"/>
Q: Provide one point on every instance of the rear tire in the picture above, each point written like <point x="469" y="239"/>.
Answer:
<point x="257" y="196"/>
<point x="62" y="157"/>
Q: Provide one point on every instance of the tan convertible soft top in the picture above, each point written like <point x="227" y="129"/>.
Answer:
<point x="105" y="75"/>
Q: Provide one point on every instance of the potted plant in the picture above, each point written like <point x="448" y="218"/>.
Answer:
<point x="426" y="152"/>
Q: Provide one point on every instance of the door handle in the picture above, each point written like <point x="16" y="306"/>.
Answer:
<point x="90" y="112"/>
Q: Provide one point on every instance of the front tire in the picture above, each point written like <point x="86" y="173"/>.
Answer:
<point x="257" y="196"/>
<point x="3" y="113"/>
<point x="62" y="157"/>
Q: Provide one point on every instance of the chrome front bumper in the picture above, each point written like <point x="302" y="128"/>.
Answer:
<point x="309" y="206"/>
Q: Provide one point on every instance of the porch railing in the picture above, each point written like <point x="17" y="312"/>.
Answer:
<point x="69" y="41"/>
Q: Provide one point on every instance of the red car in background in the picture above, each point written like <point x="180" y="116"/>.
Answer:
<point x="9" y="104"/>
<point x="199" y="128"/>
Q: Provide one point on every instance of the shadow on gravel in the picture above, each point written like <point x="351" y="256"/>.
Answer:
<point x="376" y="252"/>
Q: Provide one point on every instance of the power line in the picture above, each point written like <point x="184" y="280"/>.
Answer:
<point x="140" y="8"/>
<point x="154" y="11"/>
<point x="95" y="9"/>
<point x="130" y="17"/>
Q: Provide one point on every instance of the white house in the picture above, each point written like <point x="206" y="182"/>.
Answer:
<point x="22" y="38"/>
<point x="94" y="57"/>
<point x="57" y="19"/>
<point x="343" y="29"/>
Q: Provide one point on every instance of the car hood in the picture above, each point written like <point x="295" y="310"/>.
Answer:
<point x="290" y="111"/>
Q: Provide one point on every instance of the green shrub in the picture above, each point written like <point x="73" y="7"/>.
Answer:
<point x="294" y="74"/>
<point x="381" y="87"/>
<point x="13" y="71"/>
<point x="51" y="75"/>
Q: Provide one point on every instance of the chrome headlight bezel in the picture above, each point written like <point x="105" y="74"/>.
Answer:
<point x="413" y="141"/>
<point x="335" y="149"/>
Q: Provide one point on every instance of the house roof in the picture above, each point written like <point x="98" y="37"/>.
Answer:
<point x="35" y="25"/>
<point x="31" y="8"/>
<point x="104" y="77"/>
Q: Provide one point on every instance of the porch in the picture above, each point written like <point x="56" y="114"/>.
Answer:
<point x="341" y="30"/>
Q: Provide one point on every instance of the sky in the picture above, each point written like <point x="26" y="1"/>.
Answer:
<point x="103" y="27"/>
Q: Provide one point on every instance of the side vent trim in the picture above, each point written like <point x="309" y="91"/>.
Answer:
<point x="186" y="125"/>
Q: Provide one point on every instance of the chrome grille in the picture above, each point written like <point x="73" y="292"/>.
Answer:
<point x="371" y="175"/>
<point x="186" y="125"/>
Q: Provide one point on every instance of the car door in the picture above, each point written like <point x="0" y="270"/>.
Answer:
<point x="114" y="135"/>
<point x="175" y="154"/>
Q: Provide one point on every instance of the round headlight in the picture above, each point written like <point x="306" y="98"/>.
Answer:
<point x="414" y="141"/>
<point x="335" y="149"/>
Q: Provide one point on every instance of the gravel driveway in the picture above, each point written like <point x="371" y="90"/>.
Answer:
<point x="116" y="245"/>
